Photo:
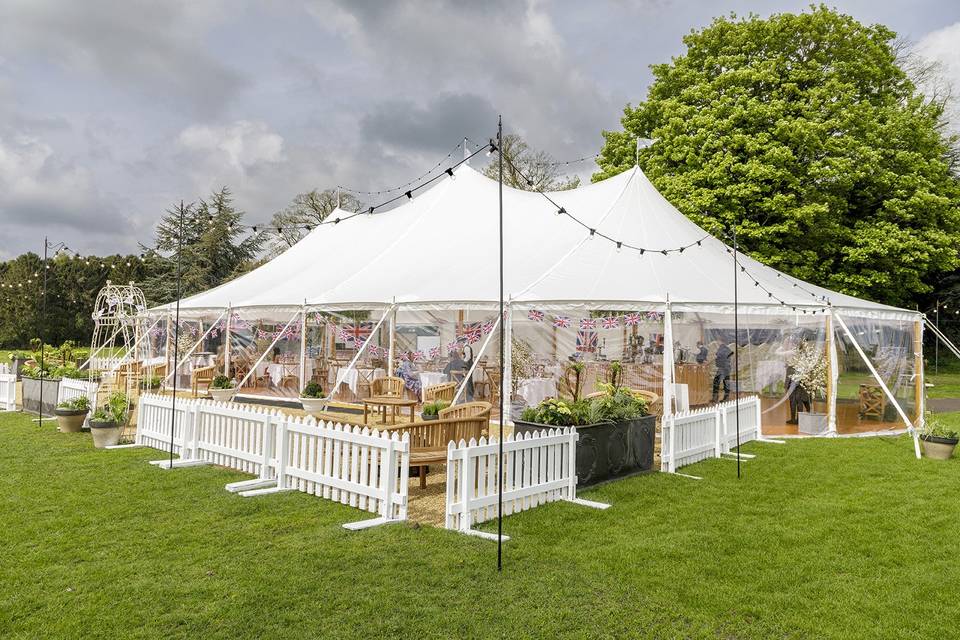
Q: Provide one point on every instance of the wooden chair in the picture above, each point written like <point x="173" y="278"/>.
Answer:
<point x="290" y="382"/>
<point x="481" y="388"/>
<point x="201" y="376"/>
<point x="493" y="375"/>
<point x="469" y="410"/>
<point x="388" y="386"/>
<point x="429" y="439"/>
<point x="873" y="402"/>
<point x="440" y="392"/>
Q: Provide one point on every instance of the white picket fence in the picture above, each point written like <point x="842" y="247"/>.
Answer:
<point x="537" y="468"/>
<point x="350" y="465"/>
<point x="8" y="392"/>
<point x="70" y="388"/>
<point x="692" y="436"/>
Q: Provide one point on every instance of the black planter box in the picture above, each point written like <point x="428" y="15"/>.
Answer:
<point x="609" y="449"/>
<point x="31" y="394"/>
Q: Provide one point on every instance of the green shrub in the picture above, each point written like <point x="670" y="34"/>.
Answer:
<point x="934" y="426"/>
<point x="434" y="408"/>
<point x="115" y="410"/>
<point x="618" y="404"/>
<point x="312" y="390"/>
<point x="221" y="382"/>
<point x="81" y="403"/>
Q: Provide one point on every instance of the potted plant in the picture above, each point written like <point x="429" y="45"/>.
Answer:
<point x="431" y="410"/>
<point x="221" y="388"/>
<point x="72" y="413"/>
<point x="107" y="422"/>
<point x="939" y="440"/>
<point x="312" y="398"/>
<point x="616" y="431"/>
<point x="808" y="375"/>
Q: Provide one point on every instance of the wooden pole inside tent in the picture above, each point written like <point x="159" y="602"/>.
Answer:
<point x="392" y="344"/>
<point x="303" y="347"/>
<point x="828" y="354"/>
<point x="227" y="339"/>
<point x="918" y="397"/>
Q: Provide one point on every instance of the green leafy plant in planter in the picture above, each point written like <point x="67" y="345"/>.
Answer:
<point x="72" y="413"/>
<point x="938" y="439"/>
<point x="573" y="380"/>
<point x="221" y="388"/>
<point x="107" y="422"/>
<point x="312" y="398"/>
<point x="431" y="410"/>
<point x="619" y="404"/>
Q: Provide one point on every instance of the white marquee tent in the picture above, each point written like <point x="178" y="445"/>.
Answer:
<point x="429" y="267"/>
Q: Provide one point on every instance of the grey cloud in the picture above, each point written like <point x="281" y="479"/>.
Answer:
<point x="434" y="126"/>
<point x="154" y="48"/>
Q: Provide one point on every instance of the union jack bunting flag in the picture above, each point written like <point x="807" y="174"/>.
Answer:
<point x="374" y="351"/>
<point x="561" y="322"/>
<point x="613" y="322"/>
<point x="358" y="344"/>
<point x="654" y="315"/>
<point x="355" y="333"/>
<point x="417" y="356"/>
<point x="469" y="332"/>
<point x="632" y="319"/>
<point x="474" y="336"/>
<point x="588" y="323"/>
<point x="404" y="356"/>
<point x="587" y="341"/>
<point x="536" y="316"/>
<point x="434" y="352"/>
<point x="488" y="326"/>
<point x="453" y="346"/>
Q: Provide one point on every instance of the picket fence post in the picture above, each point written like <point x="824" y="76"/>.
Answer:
<point x="572" y="461"/>
<point x="672" y="462"/>
<point x="266" y="442"/>
<point x="195" y="435"/>
<point x="390" y="478"/>
<point x="282" y="453"/>
<point x="718" y="447"/>
<point x="756" y="404"/>
<point x="466" y="482"/>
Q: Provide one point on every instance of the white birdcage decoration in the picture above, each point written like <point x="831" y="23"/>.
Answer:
<point x="117" y="326"/>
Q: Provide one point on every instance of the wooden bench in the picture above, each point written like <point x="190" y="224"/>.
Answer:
<point x="440" y="392"/>
<point x="429" y="439"/>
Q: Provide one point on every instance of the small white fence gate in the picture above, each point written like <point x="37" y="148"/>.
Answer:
<point x="350" y="465"/>
<point x="692" y="436"/>
<point x="538" y="467"/>
<point x="71" y="388"/>
<point x="8" y="392"/>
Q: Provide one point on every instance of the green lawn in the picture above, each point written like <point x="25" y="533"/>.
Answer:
<point x="821" y="538"/>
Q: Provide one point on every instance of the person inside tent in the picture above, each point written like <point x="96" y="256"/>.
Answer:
<point x="459" y="366"/>
<point x="407" y="371"/>
<point x="723" y="364"/>
<point x="701" y="352"/>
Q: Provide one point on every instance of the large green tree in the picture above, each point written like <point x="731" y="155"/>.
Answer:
<point x="806" y="132"/>
<point x="215" y="248"/>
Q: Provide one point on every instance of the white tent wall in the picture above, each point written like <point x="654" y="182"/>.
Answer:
<point x="894" y="349"/>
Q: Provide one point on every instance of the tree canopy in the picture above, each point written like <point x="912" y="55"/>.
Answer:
<point x="806" y="131"/>
<point x="310" y="208"/>
<point x="216" y="248"/>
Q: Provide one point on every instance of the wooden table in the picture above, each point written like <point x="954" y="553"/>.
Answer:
<point x="383" y="402"/>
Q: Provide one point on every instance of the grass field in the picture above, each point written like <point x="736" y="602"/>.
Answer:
<point x="820" y="538"/>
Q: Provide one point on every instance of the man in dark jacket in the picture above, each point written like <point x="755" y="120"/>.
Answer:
<point x="723" y="364"/>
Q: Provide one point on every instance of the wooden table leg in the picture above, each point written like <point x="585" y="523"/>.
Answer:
<point x="365" y="407"/>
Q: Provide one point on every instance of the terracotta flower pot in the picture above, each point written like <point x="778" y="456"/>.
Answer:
<point x="70" y="420"/>
<point x="938" y="448"/>
<point x="105" y="434"/>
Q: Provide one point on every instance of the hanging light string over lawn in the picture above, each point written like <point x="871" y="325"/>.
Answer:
<point x="620" y="244"/>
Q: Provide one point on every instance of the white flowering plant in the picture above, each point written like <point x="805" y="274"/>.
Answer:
<point x="809" y="369"/>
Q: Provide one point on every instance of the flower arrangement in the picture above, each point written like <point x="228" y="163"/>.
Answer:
<point x="221" y="382"/>
<point x="809" y="369"/>
<point x="312" y="390"/>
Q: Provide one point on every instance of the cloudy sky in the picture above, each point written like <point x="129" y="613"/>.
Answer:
<point x="112" y="111"/>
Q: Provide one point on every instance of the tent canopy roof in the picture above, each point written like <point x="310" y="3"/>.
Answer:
<point x="442" y="249"/>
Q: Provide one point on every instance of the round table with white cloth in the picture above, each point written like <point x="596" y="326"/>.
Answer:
<point x="351" y="377"/>
<point x="536" y="390"/>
